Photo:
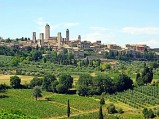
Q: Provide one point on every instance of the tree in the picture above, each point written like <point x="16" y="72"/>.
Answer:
<point x="68" y="109"/>
<point x="148" y="113"/>
<point x="61" y="88"/>
<point x="36" y="55"/>
<point x="122" y="82"/>
<point x="102" y="101"/>
<point x="147" y="75"/>
<point x="37" y="92"/>
<point x="83" y="90"/>
<point x="15" y="82"/>
<point x="140" y="81"/>
<point x="53" y="86"/>
<point x="100" y="113"/>
<point x="66" y="80"/>
<point x="3" y="87"/>
<point x="48" y="79"/>
<point x="111" y="109"/>
<point x="154" y="65"/>
<point x="84" y="84"/>
<point x="36" y="82"/>
<point x="105" y="83"/>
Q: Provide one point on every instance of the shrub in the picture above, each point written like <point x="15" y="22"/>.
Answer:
<point x="111" y="109"/>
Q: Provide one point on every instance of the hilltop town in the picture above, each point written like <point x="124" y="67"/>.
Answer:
<point x="78" y="46"/>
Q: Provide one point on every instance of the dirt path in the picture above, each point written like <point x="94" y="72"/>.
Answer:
<point x="66" y="106"/>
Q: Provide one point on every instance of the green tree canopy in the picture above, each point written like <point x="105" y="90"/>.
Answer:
<point x="66" y="80"/>
<point x="15" y="82"/>
<point x="48" y="79"/>
<point x="36" y="82"/>
<point x="37" y="92"/>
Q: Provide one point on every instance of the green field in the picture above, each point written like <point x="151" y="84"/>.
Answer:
<point x="22" y="100"/>
<point x="81" y="107"/>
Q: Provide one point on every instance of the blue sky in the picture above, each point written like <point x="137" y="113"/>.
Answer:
<point x="111" y="21"/>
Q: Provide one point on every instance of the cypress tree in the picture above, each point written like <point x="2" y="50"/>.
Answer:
<point x="68" y="109"/>
<point x="102" y="101"/>
<point x="100" y="113"/>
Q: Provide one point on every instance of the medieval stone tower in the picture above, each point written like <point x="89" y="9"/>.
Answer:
<point x="67" y="35"/>
<point x="34" y="37"/>
<point x="79" y="38"/>
<point x="59" y="39"/>
<point x="42" y="39"/>
<point x="47" y="31"/>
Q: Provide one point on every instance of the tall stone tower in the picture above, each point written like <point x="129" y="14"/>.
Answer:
<point x="34" y="37"/>
<point x="67" y="36"/>
<point x="42" y="39"/>
<point x="79" y="38"/>
<point x="59" y="38"/>
<point x="47" y="31"/>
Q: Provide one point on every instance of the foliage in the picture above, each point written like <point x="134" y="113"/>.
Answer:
<point x="48" y="79"/>
<point x="14" y="115"/>
<point x="147" y="75"/>
<point x="15" y="82"/>
<point x="68" y="109"/>
<point x="111" y="109"/>
<point x="102" y="101"/>
<point x="36" y="82"/>
<point x="83" y="84"/>
<point x="37" y="92"/>
<point x="66" y="80"/>
<point x="123" y="82"/>
<point x="53" y="86"/>
<point x="88" y="85"/>
<point x="148" y="113"/>
<point x="3" y="87"/>
<point x="61" y="88"/>
<point x="105" y="66"/>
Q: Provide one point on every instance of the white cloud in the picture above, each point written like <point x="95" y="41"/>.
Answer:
<point x="98" y="28"/>
<point x="70" y="24"/>
<point x="94" y="36"/>
<point x="154" y="43"/>
<point x="141" y="30"/>
<point x="41" y="23"/>
<point x="98" y="33"/>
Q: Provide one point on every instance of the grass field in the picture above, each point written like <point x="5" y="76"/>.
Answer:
<point x="6" y="79"/>
<point x="56" y="107"/>
<point x="22" y="100"/>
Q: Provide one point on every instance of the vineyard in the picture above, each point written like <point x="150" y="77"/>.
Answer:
<point x="139" y="97"/>
<point x="22" y="100"/>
